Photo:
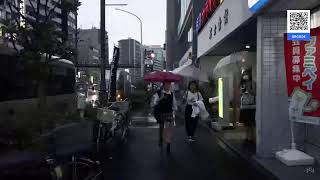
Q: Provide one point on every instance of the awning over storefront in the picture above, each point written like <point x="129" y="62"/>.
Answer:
<point x="189" y="70"/>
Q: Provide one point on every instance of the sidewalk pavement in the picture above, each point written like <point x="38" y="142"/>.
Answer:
<point x="232" y="142"/>
<point x="141" y="157"/>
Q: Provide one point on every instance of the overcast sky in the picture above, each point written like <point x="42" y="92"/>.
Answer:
<point x="121" y="25"/>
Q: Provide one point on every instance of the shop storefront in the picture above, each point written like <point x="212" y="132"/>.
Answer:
<point x="226" y="48"/>
<point x="242" y="37"/>
<point x="229" y="73"/>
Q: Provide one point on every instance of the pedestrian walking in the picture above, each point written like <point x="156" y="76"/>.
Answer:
<point x="247" y="106"/>
<point x="164" y="104"/>
<point x="192" y="99"/>
<point x="81" y="104"/>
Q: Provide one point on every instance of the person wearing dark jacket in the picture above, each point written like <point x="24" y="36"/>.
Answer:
<point x="247" y="105"/>
<point x="165" y="105"/>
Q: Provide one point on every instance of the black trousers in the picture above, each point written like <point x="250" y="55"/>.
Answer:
<point x="161" y="127"/>
<point x="190" y="122"/>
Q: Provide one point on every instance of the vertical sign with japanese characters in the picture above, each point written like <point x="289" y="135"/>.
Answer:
<point x="302" y="59"/>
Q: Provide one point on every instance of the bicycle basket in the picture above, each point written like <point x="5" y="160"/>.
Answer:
<point x="106" y="115"/>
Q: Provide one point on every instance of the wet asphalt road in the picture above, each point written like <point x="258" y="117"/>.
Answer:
<point x="140" y="158"/>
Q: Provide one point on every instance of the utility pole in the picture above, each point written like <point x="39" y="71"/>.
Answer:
<point x="103" y="88"/>
<point x="76" y="42"/>
<point x="142" y="57"/>
<point x="102" y="93"/>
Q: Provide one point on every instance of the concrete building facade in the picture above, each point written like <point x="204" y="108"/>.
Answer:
<point x="180" y="36"/>
<point x="235" y="38"/>
<point x="89" y="51"/>
<point x="130" y="53"/>
<point x="158" y="61"/>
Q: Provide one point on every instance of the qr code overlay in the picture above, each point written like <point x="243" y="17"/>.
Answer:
<point x="299" y="21"/>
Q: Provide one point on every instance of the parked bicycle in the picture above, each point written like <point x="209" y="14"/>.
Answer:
<point x="74" y="161"/>
<point x="113" y="124"/>
<point x="77" y="168"/>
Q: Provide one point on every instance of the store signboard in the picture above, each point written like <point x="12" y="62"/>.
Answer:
<point x="230" y="15"/>
<point x="208" y="9"/>
<point x="302" y="59"/>
<point x="255" y="5"/>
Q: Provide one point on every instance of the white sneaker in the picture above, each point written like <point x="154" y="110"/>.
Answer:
<point x="190" y="139"/>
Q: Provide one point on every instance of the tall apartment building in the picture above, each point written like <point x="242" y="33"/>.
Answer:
<point x="89" y="46"/>
<point x="130" y="53"/>
<point x="179" y="32"/>
<point x="89" y="51"/>
<point x="65" y="21"/>
<point x="158" y="61"/>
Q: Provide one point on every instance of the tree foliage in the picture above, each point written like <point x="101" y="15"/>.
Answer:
<point x="35" y="32"/>
<point x="36" y="37"/>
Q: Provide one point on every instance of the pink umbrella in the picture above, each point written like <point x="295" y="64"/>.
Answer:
<point x="159" y="76"/>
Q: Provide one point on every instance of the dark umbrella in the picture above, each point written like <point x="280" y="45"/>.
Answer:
<point x="159" y="76"/>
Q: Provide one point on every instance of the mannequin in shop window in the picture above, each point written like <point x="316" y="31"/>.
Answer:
<point x="248" y="105"/>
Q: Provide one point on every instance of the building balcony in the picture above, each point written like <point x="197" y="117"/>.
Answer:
<point x="58" y="10"/>
<point x="57" y="20"/>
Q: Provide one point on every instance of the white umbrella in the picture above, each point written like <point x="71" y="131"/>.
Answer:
<point x="228" y="60"/>
<point x="235" y="60"/>
<point x="189" y="70"/>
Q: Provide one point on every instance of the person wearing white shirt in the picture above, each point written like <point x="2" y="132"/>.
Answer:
<point x="192" y="96"/>
<point x="164" y="104"/>
<point x="81" y="104"/>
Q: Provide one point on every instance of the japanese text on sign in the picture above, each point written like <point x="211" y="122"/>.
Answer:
<point x="296" y="61"/>
<point x="310" y="68"/>
<point x="302" y="60"/>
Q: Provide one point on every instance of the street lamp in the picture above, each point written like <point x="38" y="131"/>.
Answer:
<point x="142" y="64"/>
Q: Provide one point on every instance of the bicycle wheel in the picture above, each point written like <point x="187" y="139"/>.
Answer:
<point x="82" y="169"/>
<point x="101" y="138"/>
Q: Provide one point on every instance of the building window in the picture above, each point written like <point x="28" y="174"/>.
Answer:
<point x="2" y="14"/>
<point x="72" y="15"/>
<point x="95" y="57"/>
<point x="184" y="4"/>
<point x="95" y="50"/>
<point x="71" y="24"/>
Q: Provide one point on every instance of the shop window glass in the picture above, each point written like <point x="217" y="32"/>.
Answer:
<point x="184" y="4"/>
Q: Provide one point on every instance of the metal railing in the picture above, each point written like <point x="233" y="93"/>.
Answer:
<point x="126" y="66"/>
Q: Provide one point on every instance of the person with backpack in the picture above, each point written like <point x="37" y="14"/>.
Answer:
<point x="164" y="104"/>
<point x="192" y="96"/>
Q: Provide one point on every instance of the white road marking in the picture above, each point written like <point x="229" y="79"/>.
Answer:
<point x="143" y="119"/>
